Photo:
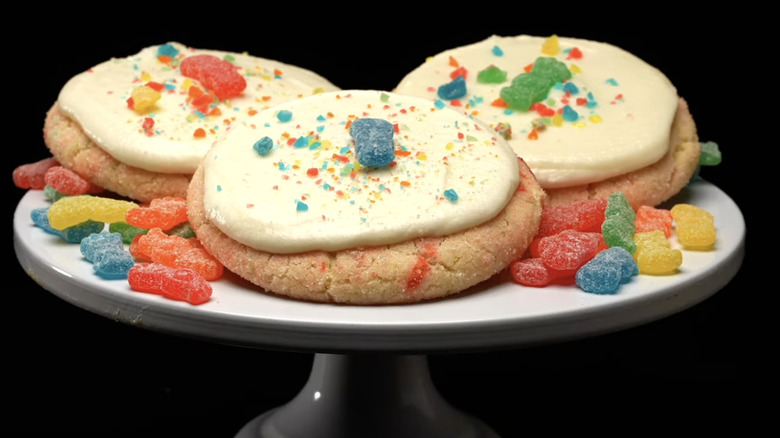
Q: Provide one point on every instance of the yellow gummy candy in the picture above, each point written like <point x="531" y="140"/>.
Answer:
<point x="654" y="255"/>
<point x="144" y="98"/>
<point x="695" y="227"/>
<point x="550" y="46"/>
<point x="73" y="210"/>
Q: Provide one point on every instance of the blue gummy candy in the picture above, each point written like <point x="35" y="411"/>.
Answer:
<point x="373" y="141"/>
<point x="454" y="90"/>
<point x="94" y="244"/>
<point x="77" y="233"/>
<point x="622" y="259"/>
<point x="40" y="218"/>
<point x="113" y="263"/>
<point x="605" y="272"/>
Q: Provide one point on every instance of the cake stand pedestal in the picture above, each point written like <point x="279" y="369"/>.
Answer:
<point x="367" y="395"/>
<point x="370" y="373"/>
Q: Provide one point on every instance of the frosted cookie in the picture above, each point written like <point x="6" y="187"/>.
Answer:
<point x="588" y="117"/>
<point x="364" y="197"/>
<point x="138" y="126"/>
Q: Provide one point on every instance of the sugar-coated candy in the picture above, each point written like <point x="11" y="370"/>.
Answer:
<point x="76" y="233"/>
<point x="586" y="215"/>
<point x="68" y="182"/>
<point x="652" y="218"/>
<point x="40" y="218"/>
<point x="72" y="210"/>
<point x="106" y="252"/>
<point x="181" y="284"/>
<point x="164" y="213"/>
<point x="654" y="254"/>
<point x="618" y="226"/>
<point x="694" y="226"/>
<point x="52" y="194"/>
<point x="605" y="272"/>
<point x="113" y="264"/>
<point x="569" y="249"/>
<point x="533" y="272"/>
<point x="127" y="231"/>
<point x="156" y="246"/>
<point x="218" y="75"/>
<point x="373" y="141"/>
<point x="182" y="230"/>
<point x="554" y="70"/>
<point x="96" y="243"/>
<point x="710" y="154"/>
<point x="72" y="234"/>
<point x="176" y="252"/>
<point x="33" y="175"/>
<point x="529" y="88"/>
<point x="453" y="90"/>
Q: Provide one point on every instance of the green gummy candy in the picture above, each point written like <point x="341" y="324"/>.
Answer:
<point x="127" y="231"/>
<point x="617" y="231"/>
<point x="618" y="205"/>
<point x="526" y="89"/>
<point x="619" y="226"/>
<point x="529" y="88"/>
<point x="554" y="70"/>
<point x="710" y="154"/>
<point x="52" y="194"/>
<point x="491" y="75"/>
<point x="182" y="230"/>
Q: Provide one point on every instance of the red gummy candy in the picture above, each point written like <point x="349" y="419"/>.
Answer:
<point x="215" y="74"/>
<point x="33" y="175"/>
<point x="587" y="215"/>
<point x="533" y="272"/>
<point x="164" y="213"/>
<point x="570" y="249"/>
<point x="69" y="182"/>
<point x="180" y="284"/>
<point x="651" y="219"/>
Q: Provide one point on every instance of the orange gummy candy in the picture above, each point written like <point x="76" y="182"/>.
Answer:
<point x="164" y="213"/>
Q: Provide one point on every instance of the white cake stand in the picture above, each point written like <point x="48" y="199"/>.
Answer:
<point x="370" y="372"/>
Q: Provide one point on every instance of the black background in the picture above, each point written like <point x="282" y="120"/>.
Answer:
<point x="69" y="370"/>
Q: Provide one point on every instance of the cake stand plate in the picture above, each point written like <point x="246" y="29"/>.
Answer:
<point x="370" y="375"/>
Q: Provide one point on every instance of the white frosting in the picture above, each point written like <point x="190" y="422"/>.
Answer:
<point x="319" y="197"/>
<point x="622" y="125"/>
<point x="97" y="100"/>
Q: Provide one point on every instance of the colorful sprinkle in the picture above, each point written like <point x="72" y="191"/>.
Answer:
<point x="451" y="194"/>
<point x="453" y="90"/>
<point x="284" y="116"/>
<point x="263" y="146"/>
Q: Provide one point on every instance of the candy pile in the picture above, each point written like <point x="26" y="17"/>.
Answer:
<point x="600" y="244"/>
<point x="151" y="245"/>
<point x="597" y="244"/>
